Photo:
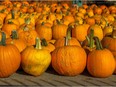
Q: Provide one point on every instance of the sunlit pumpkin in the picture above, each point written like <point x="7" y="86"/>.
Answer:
<point x="69" y="60"/>
<point x="98" y="61"/>
<point x="9" y="62"/>
<point x="35" y="60"/>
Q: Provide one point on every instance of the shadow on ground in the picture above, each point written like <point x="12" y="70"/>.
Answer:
<point x="50" y="70"/>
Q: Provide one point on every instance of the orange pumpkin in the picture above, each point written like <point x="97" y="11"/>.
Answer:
<point x="27" y="33"/>
<point x="19" y="43"/>
<point x="47" y="45"/>
<point x="69" y="60"/>
<point x="80" y="32"/>
<point x="98" y="61"/>
<point x="44" y="31"/>
<point x="97" y="31"/>
<point x="11" y="59"/>
<point x="98" y="11"/>
<point x="110" y="43"/>
<point x="59" y="30"/>
<point x="90" y="20"/>
<point x="8" y="27"/>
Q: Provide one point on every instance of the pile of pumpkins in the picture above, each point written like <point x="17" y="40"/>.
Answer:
<point x="70" y="39"/>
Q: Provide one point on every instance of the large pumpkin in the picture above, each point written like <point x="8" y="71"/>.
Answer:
<point x="69" y="60"/>
<point x="98" y="62"/>
<point x="35" y="60"/>
<point x="9" y="58"/>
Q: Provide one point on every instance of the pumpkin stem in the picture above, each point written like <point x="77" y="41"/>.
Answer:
<point x="27" y="20"/>
<point x="66" y="41"/>
<point x="38" y="43"/>
<point x="67" y="13"/>
<point x="26" y="28"/>
<point x="106" y="21"/>
<point x="91" y="38"/>
<point x="21" y="15"/>
<point x="114" y="34"/>
<point x="69" y="32"/>
<point x="10" y="22"/>
<point x="98" y="43"/>
<point x="44" y="42"/>
<point x="58" y="21"/>
<point x="14" y="34"/>
<point x="13" y="14"/>
<point x="3" y="40"/>
<point x="2" y="11"/>
<point x="88" y="40"/>
<point x="42" y="23"/>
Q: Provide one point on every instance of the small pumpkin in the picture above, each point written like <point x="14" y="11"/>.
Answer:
<point x="110" y="42"/>
<point x="19" y="43"/>
<point x="35" y="60"/>
<point x="98" y="61"/>
<point x="97" y="31"/>
<point x="47" y="45"/>
<point x="8" y="27"/>
<point x="80" y="31"/>
<point x="59" y="30"/>
<point x="44" y="31"/>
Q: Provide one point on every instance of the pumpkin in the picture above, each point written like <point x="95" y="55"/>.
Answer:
<point x="21" y="18"/>
<point x="97" y="10"/>
<point x="44" y="31"/>
<point x="110" y="42"/>
<point x="12" y="15"/>
<point x="9" y="58"/>
<point x="27" y="33"/>
<point x="47" y="45"/>
<point x="98" y="61"/>
<point x="112" y="9"/>
<point x="90" y="12"/>
<point x="97" y="18"/>
<point x="82" y="10"/>
<point x="68" y="17"/>
<point x="19" y="43"/>
<point x="35" y="60"/>
<point x="71" y="40"/>
<point x="13" y="19"/>
<point x="90" y="20"/>
<point x="107" y="30"/>
<point x="3" y="14"/>
<point x="30" y="9"/>
<point x="97" y="31"/>
<point x="69" y="60"/>
<point x="59" y="30"/>
<point x="80" y="31"/>
<point x="8" y="27"/>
